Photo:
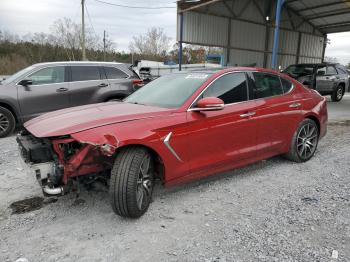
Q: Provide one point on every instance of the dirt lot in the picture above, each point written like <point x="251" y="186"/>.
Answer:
<point x="273" y="210"/>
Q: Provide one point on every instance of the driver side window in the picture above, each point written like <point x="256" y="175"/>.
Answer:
<point x="49" y="75"/>
<point x="321" y="71"/>
<point x="230" y="88"/>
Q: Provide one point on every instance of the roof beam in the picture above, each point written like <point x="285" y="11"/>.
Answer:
<point x="229" y="9"/>
<point x="323" y="5"/>
<point x="184" y="7"/>
<point x="328" y="14"/>
<point x="300" y="16"/>
<point x="335" y="25"/>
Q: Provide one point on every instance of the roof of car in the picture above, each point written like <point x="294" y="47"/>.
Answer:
<point x="315" y="64"/>
<point x="229" y="69"/>
<point x="78" y="63"/>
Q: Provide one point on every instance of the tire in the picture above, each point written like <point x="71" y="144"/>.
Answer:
<point x="7" y="122"/>
<point x="132" y="182"/>
<point x="305" y="139"/>
<point x="115" y="100"/>
<point x="338" y="94"/>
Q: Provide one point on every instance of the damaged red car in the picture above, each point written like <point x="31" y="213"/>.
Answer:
<point x="179" y="127"/>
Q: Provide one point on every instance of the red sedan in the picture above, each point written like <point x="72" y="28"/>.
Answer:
<point x="180" y="127"/>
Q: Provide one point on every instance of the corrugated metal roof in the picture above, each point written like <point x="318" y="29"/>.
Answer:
<point x="329" y="16"/>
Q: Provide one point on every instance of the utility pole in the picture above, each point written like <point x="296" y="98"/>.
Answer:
<point x="104" y="45"/>
<point x="83" y="29"/>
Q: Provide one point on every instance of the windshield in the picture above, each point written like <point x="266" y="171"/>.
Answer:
<point x="17" y="75"/>
<point x="169" y="91"/>
<point x="299" y="70"/>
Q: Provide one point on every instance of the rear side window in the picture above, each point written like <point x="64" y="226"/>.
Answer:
<point x="114" y="73"/>
<point x="342" y="70"/>
<point x="287" y="85"/>
<point x="85" y="73"/>
<point x="331" y="70"/>
<point x="231" y="88"/>
<point x="266" y="85"/>
<point x="50" y="75"/>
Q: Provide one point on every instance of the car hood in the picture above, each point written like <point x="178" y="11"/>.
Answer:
<point x="77" y="119"/>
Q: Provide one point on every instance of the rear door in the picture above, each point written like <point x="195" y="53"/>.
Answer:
<point x="278" y="112"/>
<point x="48" y="92"/>
<point x="219" y="139"/>
<point x="87" y="84"/>
<point x="120" y="83"/>
<point x="343" y="76"/>
<point x="326" y="77"/>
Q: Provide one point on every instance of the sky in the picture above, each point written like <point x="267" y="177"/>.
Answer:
<point x="30" y="16"/>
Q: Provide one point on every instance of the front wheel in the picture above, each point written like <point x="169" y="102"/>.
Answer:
<point x="132" y="182"/>
<point x="7" y="122"/>
<point x="304" y="141"/>
<point x="337" y="94"/>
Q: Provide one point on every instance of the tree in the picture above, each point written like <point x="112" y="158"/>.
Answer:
<point x="330" y="59"/>
<point x="155" y="43"/>
<point x="67" y="34"/>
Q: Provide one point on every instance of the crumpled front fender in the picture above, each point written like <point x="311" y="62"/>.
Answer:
<point x="111" y="137"/>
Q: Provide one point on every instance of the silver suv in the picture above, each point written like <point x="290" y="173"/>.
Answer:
<point x="46" y="87"/>
<point x="326" y="78"/>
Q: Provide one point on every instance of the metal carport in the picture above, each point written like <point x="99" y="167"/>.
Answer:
<point x="267" y="33"/>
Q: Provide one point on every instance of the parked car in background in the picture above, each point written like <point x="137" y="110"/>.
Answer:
<point x="326" y="78"/>
<point x="46" y="87"/>
<point x="177" y="128"/>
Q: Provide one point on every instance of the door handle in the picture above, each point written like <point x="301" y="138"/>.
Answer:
<point x="62" y="89"/>
<point x="103" y="85"/>
<point x="249" y="114"/>
<point x="295" y="105"/>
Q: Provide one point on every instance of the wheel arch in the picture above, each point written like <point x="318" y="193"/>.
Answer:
<point x="11" y="109"/>
<point x="316" y="120"/>
<point x="159" y="163"/>
<point x="343" y="85"/>
<point x="115" y="96"/>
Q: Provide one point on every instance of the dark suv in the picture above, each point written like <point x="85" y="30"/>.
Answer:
<point x="46" y="87"/>
<point x="326" y="78"/>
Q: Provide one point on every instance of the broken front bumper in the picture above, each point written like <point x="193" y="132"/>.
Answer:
<point x="38" y="156"/>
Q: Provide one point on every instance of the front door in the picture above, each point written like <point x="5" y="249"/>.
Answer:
<point x="219" y="139"/>
<point x="48" y="92"/>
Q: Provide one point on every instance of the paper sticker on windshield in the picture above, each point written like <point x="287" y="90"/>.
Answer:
<point x="197" y="76"/>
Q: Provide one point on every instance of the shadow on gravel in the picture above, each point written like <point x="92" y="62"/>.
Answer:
<point x="237" y="174"/>
<point x="30" y="204"/>
<point x="340" y="123"/>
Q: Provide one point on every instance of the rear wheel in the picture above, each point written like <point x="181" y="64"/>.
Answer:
<point x="7" y="122"/>
<point x="132" y="182"/>
<point x="337" y="94"/>
<point x="304" y="142"/>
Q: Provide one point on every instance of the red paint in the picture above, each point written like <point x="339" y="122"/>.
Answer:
<point x="206" y="142"/>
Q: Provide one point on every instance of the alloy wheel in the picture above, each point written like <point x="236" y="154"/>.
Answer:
<point x="339" y="93"/>
<point x="144" y="183"/>
<point x="4" y="123"/>
<point x="307" y="140"/>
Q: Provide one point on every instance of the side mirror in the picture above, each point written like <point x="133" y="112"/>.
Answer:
<point x="25" y="82"/>
<point x="209" y="104"/>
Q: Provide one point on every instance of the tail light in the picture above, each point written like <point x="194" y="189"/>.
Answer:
<point x="137" y="83"/>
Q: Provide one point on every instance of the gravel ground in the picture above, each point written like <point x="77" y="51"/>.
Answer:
<point x="274" y="210"/>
